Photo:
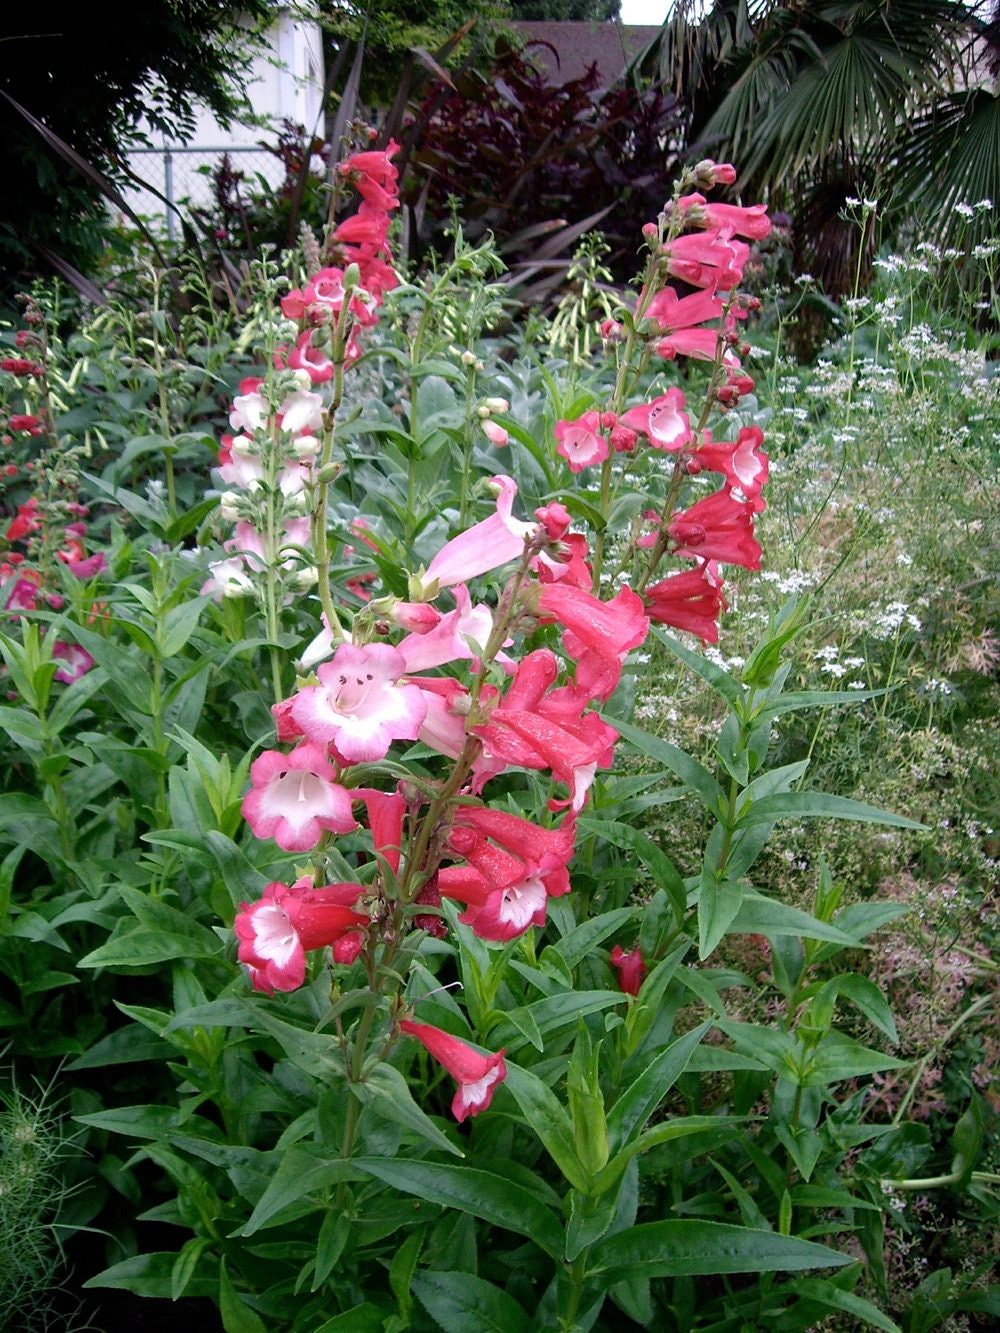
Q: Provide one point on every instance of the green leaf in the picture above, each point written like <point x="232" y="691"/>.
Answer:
<point x="460" y="1302"/>
<point x="140" y="946"/>
<point x="820" y="805"/>
<point x="141" y="1122"/>
<point x="584" y="938"/>
<point x="692" y="1248"/>
<point x="790" y="703"/>
<point x="547" y="1117"/>
<point x="387" y="1092"/>
<point x="764" y="916"/>
<point x="714" y="676"/>
<point x="640" y="1099"/>
<point x="495" y="1199"/>
<point x="304" y="1169"/>
<point x="178" y="626"/>
<point x="838" y="1057"/>
<point x="828" y="1294"/>
<point x="401" y="1270"/>
<point x="551" y="1013"/>
<point x="128" y="1045"/>
<point x="718" y="905"/>
<point x="868" y="998"/>
<point x="691" y="773"/>
<point x="665" y="874"/>
<point x="237" y="1317"/>
<point x="642" y="1012"/>
<point x="149" y="1275"/>
<point x="967" y="1141"/>
<point x="186" y="1264"/>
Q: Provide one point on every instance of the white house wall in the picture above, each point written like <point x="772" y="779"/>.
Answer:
<point x="284" y="83"/>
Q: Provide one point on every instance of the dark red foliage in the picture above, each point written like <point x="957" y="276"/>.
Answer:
<point x="519" y="152"/>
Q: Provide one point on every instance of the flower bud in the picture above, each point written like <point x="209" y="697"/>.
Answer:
<point x="305" y="447"/>
<point x="497" y="404"/>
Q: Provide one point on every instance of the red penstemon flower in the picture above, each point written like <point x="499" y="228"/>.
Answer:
<point x="277" y="931"/>
<point x="719" y="527"/>
<point x="690" y="600"/>
<point x="478" y="1076"/>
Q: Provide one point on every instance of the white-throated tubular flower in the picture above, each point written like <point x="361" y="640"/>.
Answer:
<point x="295" y="797"/>
<point x="284" y="924"/>
<point x="478" y="1076"/>
<point x="359" y="707"/>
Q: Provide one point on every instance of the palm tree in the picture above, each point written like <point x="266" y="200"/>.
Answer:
<point x="821" y="100"/>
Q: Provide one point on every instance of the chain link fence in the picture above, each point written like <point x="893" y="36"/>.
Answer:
<point x="182" y="177"/>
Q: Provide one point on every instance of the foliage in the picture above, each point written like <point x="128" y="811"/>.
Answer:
<point x="32" y="1195"/>
<point x="565" y="11"/>
<point x="91" y="77"/>
<point x="693" y="1131"/>
<point x="821" y="102"/>
<point x="390" y="33"/>
<point x="523" y="154"/>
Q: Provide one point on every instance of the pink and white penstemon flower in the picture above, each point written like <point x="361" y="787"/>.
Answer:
<point x="581" y="442"/>
<point x="295" y="797"/>
<point x="495" y="541"/>
<point x="359" y="706"/>
<point x="663" y="421"/>
<point x="276" y="932"/>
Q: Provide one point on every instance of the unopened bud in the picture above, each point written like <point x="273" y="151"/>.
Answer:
<point x="497" y="404"/>
<point x="468" y="358"/>
<point x="352" y="277"/>
<point x="306" y="447"/>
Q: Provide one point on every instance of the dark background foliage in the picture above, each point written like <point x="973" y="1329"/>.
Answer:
<point x="89" y="73"/>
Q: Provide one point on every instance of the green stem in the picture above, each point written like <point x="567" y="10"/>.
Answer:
<point x="976" y="1007"/>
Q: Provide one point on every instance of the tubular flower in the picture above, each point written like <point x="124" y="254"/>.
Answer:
<point x="358" y="706"/>
<point x="630" y="967"/>
<point x="295" y="797"/>
<point x="459" y="634"/>
<point x="674" y="312"/>
<point x="708" y="259"/>
<point x="720" y="527"/>
<point x="730" y="219"/>
<point x="743" y="463"/>
<point x="277" y="931"/>
<point x="512" y="869"/>
<point x="477" y="1076"/>
<point x="598" y="634"/>
<point x="495" y="541"/>
<point x="76" y="661"/>
<point x="538" y="728"/>
<point x="580" y="441"/>
<point x="663" y="421"/>
<point x="689" y="601"/>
